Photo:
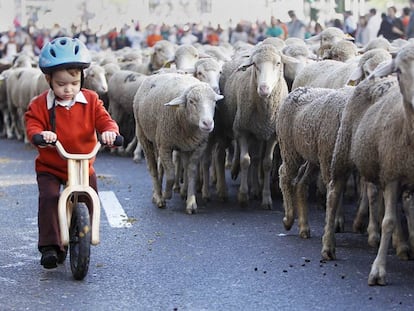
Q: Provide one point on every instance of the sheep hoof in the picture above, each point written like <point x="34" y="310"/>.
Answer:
<point x="339" y="226"/>
<point x="288" y="223"/>
<point x="267" y="203"/>
<point x="359" y="227"/>
<point x="243" y="198"/>
<point x="160" y="203"/>
<point x="305" y="234"/>
<point x="328" y="254"/>
<point x="374" y="240"/>
<point x="403" y="252"/>
<point x="376" y="278"/>
<point x="191" y="206"/>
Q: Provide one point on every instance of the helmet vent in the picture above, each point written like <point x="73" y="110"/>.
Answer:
<point x="52" y="52"/>
<point x="76" y="49"/>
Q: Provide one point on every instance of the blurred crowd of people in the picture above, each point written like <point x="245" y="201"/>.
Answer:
<point x="391" y="25"/>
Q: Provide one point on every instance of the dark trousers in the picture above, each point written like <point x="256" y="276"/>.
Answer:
<point x="48" y="220"/>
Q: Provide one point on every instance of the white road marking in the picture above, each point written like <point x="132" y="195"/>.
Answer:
<point x="116" y="215"/>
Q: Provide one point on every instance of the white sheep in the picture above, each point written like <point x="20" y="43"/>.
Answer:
<point x="375" y="137"/>
<point x="336" y="74"/>
<point x="174" y="112"/>
<point x="256" y="90"/>
<point x="326" y="39"/>
<point x="307" y="123"/>
<point x="122" y="87"/>
<point x="161" y="53"/>
<point x="22" y="85"/>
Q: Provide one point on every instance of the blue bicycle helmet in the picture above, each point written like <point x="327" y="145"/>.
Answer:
<point x="64" y="52"/>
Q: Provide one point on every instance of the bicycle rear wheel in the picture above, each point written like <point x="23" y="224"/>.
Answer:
<point x="80" y="241"/>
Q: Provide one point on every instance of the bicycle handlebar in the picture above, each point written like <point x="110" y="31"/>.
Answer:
<point x="39" y="141"/>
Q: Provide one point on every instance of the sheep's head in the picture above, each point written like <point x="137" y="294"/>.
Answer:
<point x="403" y="65"/>
<point x="95" y="79"/>
<point x="267" y="68"/>
<point x="162" y="52"/>
<point x="209" y="70"/>
<point x="367" y="64"/>
<point x="199" y="101"/>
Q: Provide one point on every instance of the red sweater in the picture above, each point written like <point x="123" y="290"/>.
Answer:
<point x="75" y="128"/>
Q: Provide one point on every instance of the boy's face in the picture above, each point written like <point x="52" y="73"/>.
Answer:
<point x="66" y="84"/>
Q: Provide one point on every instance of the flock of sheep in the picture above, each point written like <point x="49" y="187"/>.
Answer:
<point x="285" y="113"/>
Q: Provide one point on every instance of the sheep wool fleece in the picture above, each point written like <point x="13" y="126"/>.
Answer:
<point x="75" y="128"/>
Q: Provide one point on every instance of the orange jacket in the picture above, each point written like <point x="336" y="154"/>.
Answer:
<point x="75" y="128"/>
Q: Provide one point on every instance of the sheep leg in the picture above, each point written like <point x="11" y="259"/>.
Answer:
<point x="191" y="176"/>
<point x="408" y="206"/>
<point x="267" y="168"/>
<point x="166" y="158"/>
<point x="152" y="165"/>
<point x="254" y="169"/>
<point x="243" y="195"/>
<point x="301" y="203"/>
<point x="287" y="174"/>
<point x="206" y="163"/>
<point x="7" y="125"/>
<point x="377" y="275"/>
<point x="178" y="170"/>
<point x="335" y="192"/>
<point x="184" y="158"/>
<point x="398" y="238"/>
<point x="373" y="224"/>
<point x="235" y="165"/>
<point x="362" y="212"/>
<point x="220" y="158"/>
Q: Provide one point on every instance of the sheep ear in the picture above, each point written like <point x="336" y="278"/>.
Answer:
<point x="203" y="55"/>
<point x="168" y="63"/>
<point x="383" y="69"/>
<point x="218" y="97"/>
<point x="180" y="100"/>
<point x="289" y="59"/>
<point x="355" y="77"/>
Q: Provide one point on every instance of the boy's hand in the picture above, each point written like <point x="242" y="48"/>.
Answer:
<point x="108" y="138"/>
<point x="48" y="136"/>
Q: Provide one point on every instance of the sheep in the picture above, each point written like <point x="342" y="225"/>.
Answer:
<point x="306" y="126"/>
<point x="302" y="53"/>
<point x="326" y="39"/>
<point x="162" y="52"/>
<point x="174" y="112"/>
<point x="256" y="90"/>
<point x="95" y="79"/>
<point x="375" y="137"/>
<point x="342" y="51"/>
<point x="22" y="85"/>
<point x="122" y="87"/>
<point x="336" y="74"/>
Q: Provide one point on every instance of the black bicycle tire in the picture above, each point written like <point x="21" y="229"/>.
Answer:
<point x="80" y="241"/>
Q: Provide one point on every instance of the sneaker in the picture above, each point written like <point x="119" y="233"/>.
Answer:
<point x="49" y="257"/>
<point x="61" y="255"/>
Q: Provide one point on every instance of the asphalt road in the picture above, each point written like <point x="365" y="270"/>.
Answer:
<point x="225" y="257"/>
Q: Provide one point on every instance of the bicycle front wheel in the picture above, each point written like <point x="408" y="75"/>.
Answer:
<point x="80" y="241"/>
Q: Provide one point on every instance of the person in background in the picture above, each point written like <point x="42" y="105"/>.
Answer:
<point x="361" y="34"/>
<point x="275" y="30"/>
<point x="391" y="26"/>
<point x="350" y="24"/>
<point x="373" y="24"/>
<point x="73" y="115"/>
<point x="405" y="17"/>
<point x="409" y="32"/>
<point x="238" y="34"/>
<point x="296" y="28"/>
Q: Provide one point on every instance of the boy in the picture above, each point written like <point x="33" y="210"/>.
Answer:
<point x="73" y="115"/>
